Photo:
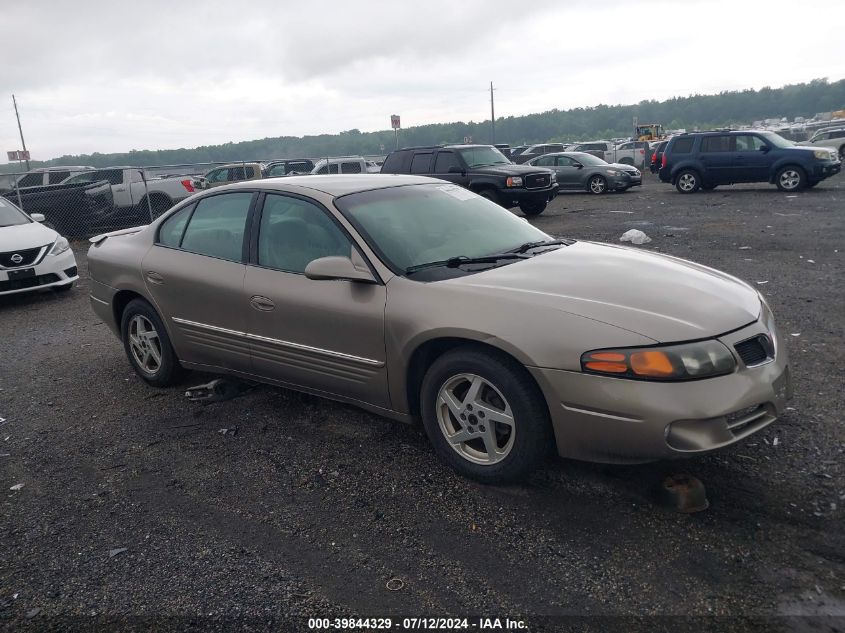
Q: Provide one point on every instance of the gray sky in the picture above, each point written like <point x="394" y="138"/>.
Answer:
<point x="113" y="75"/>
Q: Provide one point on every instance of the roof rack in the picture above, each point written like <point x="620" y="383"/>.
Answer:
<point x="424" y="147"/>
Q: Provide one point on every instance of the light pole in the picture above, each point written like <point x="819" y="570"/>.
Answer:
<point x="20" y="129"/>
<point x="492" y="117"/>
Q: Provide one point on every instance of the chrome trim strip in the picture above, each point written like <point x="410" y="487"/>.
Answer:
<point x="93" y="298"/>
<point x="281" y="343"/>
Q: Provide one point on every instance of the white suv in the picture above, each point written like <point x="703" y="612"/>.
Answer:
<point x="32" y="257"/>
<point x="345" y="165"/>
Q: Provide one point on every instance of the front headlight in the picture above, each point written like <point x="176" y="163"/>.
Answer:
<point x="687" y="361"/>
<point x="60" y="246"/>
<point x="822" y="154"/>
<point x="554" y="176"/>
<point x="612" y="172"/>
<point x="514" y="181"/>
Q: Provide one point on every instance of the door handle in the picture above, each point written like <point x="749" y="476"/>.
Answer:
<point x="262" y="303"/>
<point x="154" y="278"/>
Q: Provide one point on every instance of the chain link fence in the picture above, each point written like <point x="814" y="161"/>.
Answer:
<point x="80" y="202"/>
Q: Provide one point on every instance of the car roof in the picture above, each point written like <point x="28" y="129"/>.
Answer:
<point x="335" y="184"/>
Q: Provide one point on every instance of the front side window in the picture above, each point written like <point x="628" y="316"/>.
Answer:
<point x="218" y="175"/>
<point x="484" y="156"/>
<point x="626" y="146"/>
<point x="749" y="143"/>
<point x="295" y="232"/>
<point x="56" y="177"/>
<point x="445" y="161"/>
<point x="564" y="161"/>
<point x="250" y="172"/>
<point x="350" y="167"/>
<point x="327" y="169"/>
<point x="418" y="224"/>
<point x="217" y="226"/>
<point x="545" y="161"/>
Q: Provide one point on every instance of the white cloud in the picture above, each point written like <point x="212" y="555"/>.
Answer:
<point x="112" y="75"/>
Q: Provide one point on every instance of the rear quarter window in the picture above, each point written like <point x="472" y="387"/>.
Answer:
<point x="421" y="164"/>
<point x="682" y="146"/>
<point x="396" y="163"/>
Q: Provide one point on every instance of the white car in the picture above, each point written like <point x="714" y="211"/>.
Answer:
<point x="32" y="257"/>
<point x="345" y="165"/>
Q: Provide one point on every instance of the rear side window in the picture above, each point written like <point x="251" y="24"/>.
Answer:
<point x="716" y="144"/>
<point x="31" y="180"/>
<point x="170" y="233"/>
<point x="839" y="134"/>
<point x="350" y="168"/>
<point x="217" y="226"/>
<point x="58" y="176"/>
<point x="421" y="163"/>
<point x="396" y="163"/>
<point x="682" y="145"/>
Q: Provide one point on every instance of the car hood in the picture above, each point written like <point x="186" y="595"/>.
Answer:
<point x="509" y="170"/>
<point x="23" y="236"/>
<point x="663" y="298"/>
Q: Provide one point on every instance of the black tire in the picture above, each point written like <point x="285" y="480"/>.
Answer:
<point x="688" y="181"/>
<point x="64" y="288"/>
<point x="597" y="185"/>
<point x="532" y="436"/>
<point x="842" y="152"/>
<point x="791" y="178"/>
<point x="532" y="208"/>
<point x="169" y="371"/>
<point x="491" y="195"/>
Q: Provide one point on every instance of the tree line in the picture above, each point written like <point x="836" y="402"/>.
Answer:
<point x="729" y="108"/>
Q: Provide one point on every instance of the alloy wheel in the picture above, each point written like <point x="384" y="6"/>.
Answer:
<point x="790" y="179"/>
<point x="597" y="184"/>
<point x="687" y="182"/>
<point x="476" y="419"/>
<point x="145" y="344"/>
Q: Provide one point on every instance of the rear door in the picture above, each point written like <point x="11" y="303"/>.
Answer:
<point x="751" y="160"/>
<point x="322" y="335"/>
<point x="195" y="275"/>
<point x="421" y="163"/>
<point x="716" y="155"/>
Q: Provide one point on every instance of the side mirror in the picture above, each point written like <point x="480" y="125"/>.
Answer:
<point x="765" y="149"/>
<point x="454" y="169"/>
<point x="37" y="217"/>
<point x="577" y="165"/>
<point x="338" y="268"/>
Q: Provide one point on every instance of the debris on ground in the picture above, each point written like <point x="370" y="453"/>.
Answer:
<point x="32" y="613"/>
<point x="760" y="283"/>
<point x="683" y="493"/>
<point x="395" y="584"/>
<point x="232" y="431"/>
<point x="745" y="248"/>
<point x="118" y="550"/>
<point x="635" y="236"/>
<point x="16" y="487"/>
<point x="795" y="333"/>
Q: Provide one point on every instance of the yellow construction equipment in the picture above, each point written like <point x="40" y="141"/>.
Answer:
<point x="650" y="132"/>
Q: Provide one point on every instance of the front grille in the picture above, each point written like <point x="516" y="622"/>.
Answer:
<point x="538" y="181"/>
<point x="27" y="257"/>
<point x="28" y="282"/>
<point x="755" y="351"/>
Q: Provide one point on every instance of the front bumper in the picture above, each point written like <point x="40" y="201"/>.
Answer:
<point x="516" y="195"/>
<point x="623" y="181"/>
<point x="50" y="271"/>
<point x="613" y="420"/>
<point x="826" y="170"/>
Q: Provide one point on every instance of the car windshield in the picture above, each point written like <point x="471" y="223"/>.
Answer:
<point x="589" y="159"/>
<point x="483" y="156"/>
<point x="776" y="139"/>
<point x="419" y="224"/>
<point x="10" y="215"/>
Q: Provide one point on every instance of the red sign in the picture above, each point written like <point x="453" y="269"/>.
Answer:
<point x="394" y="121"/>
<point x="18" y="155"/>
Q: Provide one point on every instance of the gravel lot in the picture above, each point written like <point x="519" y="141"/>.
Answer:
<point x="312" y="506"/>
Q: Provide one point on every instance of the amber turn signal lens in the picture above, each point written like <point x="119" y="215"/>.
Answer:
<point x="651" y="363"/>
<point x="603" y="366"/>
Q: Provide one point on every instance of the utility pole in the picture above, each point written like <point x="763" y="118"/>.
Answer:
<point x="492" y="117"/>
<point x="20" y="129"/>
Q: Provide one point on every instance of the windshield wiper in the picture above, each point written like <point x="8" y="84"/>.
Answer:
<point x="529" y="245"/>
<point x="460" y="260"/>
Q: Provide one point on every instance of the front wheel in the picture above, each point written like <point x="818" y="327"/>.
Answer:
<point x="532" y="208"/>
<point x="688" y="181"/>
<point x="791" y="179"/>
<point x="597" y="185"/>
<point x="484" y="415"/>
<point x="147" y="345"/>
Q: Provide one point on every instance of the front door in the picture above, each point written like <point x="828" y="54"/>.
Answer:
<point x="195" y="275"/>
<point x="323" y="335"/>
<point x="751" y="159"/>
<point x="445" y="165"/>
<point x="569" y="175"/>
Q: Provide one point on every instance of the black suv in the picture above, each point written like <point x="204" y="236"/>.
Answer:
<point x="482" y="169"/>
<point x="704" y="160"/>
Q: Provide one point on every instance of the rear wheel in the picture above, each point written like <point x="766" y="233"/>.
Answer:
<point x="688" y="181"/>
<point x="532" y="208"/>
<point x="484" y="415"/>
<point x="597" y="185"/>
<point x="791" y="178"/>
<point x="147" y="345"/>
